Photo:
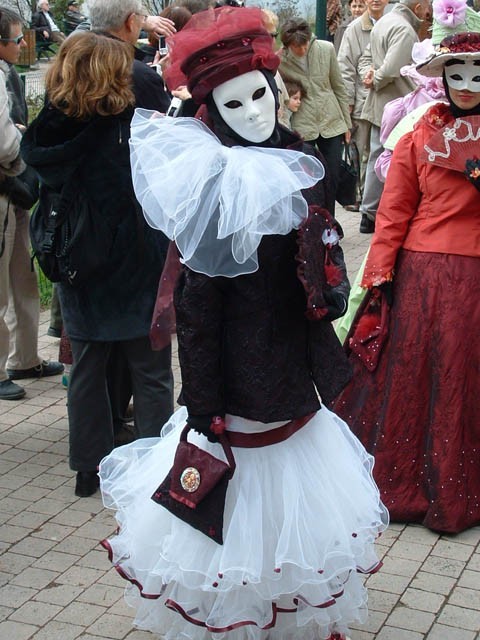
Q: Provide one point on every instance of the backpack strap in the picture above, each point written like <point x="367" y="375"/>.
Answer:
<point x="47" y="243"/>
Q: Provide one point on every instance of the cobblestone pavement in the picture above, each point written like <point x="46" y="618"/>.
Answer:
<point x="56" y="582"/>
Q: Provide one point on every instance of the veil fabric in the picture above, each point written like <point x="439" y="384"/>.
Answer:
<point x="216" y="202"/>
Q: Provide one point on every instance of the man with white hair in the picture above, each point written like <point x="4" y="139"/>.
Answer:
<point x="44" y="24"/>
<point x="124" y="19"/>
<point x="157" y="25"/>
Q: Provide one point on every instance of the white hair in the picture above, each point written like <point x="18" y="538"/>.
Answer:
<point x="110" y="15"/>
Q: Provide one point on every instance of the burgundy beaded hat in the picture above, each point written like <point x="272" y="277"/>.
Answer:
<point x="217" y="45"/>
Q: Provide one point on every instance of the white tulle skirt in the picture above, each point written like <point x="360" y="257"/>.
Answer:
<point x="301" y="518"/>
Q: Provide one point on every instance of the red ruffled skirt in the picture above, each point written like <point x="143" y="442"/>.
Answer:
<point x="418" y="413"/>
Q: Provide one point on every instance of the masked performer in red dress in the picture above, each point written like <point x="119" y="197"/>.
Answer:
<point x="414" y="397"/>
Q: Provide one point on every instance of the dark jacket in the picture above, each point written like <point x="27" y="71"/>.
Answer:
<point x="118" y="304"/>
<point x="245" y="344"/>
<point x="71" y="20"/>
<point x="40" y="24"/>
<point x="148" y="85"/>
<point x="148" y="52"/>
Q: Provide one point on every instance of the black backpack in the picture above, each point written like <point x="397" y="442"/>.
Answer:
<point x="71" y="240"/>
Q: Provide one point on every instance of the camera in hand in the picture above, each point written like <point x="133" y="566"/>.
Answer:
<point x="230" y="3"/>
<point x="174" y="107"/>
<point x="162" y="46"/>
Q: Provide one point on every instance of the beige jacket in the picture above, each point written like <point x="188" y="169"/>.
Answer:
<point x="391" y="42"/>
<point x="10" y="161"/>
<point x="11" y="136"/>
<point x="324" y="110"/>
<point x="354" y="63"/>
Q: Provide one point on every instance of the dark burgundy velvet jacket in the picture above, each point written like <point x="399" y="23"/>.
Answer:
<point x="245" y="344"/>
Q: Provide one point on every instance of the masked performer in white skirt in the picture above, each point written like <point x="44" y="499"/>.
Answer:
<point x="262" y="276"/>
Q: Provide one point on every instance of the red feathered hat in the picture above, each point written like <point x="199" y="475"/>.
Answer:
<point x="217" y="45"/>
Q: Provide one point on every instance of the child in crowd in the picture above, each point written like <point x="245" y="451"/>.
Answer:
<point x="296" y="93"/>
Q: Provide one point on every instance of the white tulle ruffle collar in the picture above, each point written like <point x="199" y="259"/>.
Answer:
<point x="216" y="202"/>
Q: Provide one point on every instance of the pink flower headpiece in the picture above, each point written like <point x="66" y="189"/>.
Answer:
<point x="449" y="13"/>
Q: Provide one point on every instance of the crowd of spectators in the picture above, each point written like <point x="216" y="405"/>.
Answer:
<point x="411" y="399"/>
<point x="330" y="92"/>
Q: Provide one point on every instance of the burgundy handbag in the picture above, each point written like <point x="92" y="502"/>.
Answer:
<point x="369" y="329"/>
<point x="196" y="486"/>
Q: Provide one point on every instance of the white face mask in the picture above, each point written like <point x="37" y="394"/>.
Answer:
<point x="463" y="75"/>
<point x="247" y="105"/>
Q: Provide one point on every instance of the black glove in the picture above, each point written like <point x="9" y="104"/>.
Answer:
<point x="387" y="290"/>
<point x="336" y="304"/>
<point x="201" y="424"/>
<point x="472" y="171"/>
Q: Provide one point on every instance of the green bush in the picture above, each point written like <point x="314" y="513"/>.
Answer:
<point x="44" y="288"/>
<point x="34" y="104"/>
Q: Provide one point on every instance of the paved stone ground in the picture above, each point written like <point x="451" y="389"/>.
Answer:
<point x="56" y="582"/>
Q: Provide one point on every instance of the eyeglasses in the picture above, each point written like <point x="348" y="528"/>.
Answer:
<point x="144" y="16"/>
<point x="16" y="40"/>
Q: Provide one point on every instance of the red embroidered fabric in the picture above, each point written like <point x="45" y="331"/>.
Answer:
<point x="163" y="318"/>
<point x="418" y="412"/>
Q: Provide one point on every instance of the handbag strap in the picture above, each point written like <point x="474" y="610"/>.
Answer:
<point x="346" y="153"/>
<point x="222" y="438"/>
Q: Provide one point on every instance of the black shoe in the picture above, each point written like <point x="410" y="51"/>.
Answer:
<point x="11" y="391"/>
<point x="367" y="225"/>
<point x="350" y="207"/>
<point x="42" y="370"/>
<point x="54" y="332"/>
<point x="87" y="483"/>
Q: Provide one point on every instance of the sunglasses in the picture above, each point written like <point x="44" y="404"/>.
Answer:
<point x="16" y="40"/>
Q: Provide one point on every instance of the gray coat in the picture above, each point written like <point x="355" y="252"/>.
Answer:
<point x="391" y="42"/>
<point x="354" y="63"/>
